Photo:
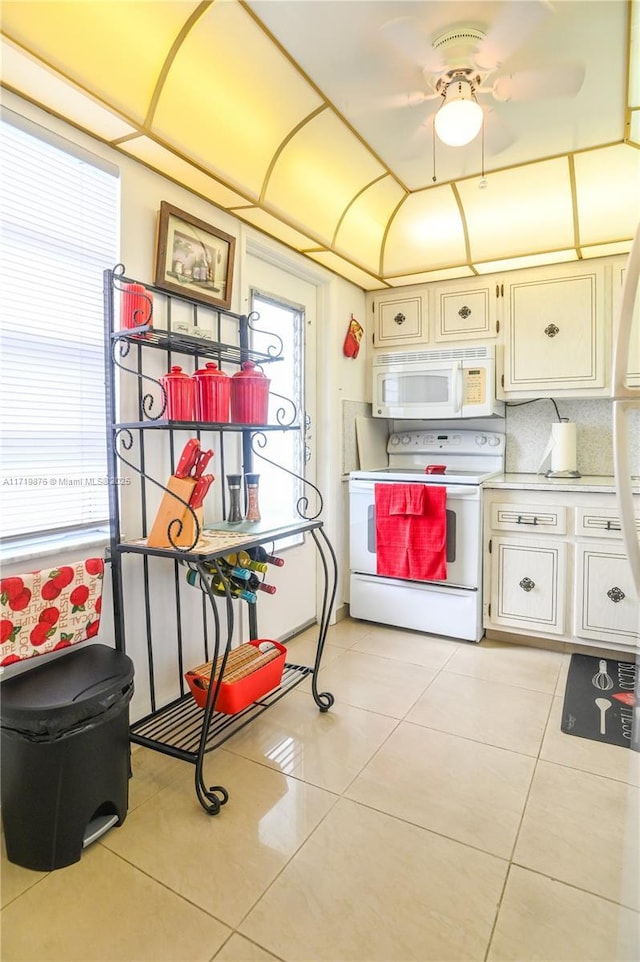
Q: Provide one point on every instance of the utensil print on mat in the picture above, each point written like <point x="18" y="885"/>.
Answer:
<point x="601" y="679"/>
<point x="604" y="705"/>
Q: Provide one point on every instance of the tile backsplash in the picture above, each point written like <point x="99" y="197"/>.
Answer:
<point x="528" y="427"/>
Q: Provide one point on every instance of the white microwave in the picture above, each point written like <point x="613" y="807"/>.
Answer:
<point x="439" y="384"/>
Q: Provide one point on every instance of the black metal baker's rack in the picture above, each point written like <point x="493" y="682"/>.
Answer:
<point x="177" y="726"/>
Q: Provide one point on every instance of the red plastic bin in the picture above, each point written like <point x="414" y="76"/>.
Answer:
<point x="234" y="695"/>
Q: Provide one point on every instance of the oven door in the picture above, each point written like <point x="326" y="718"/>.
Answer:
<point x="464" y="540"/>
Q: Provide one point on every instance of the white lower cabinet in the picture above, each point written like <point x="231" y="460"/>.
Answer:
<point x="555" y="567"/>
<point x="527" y="579"/>
<point x="606" y="604"/>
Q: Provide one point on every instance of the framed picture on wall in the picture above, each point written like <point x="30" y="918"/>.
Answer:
<point x="193" y="258"/>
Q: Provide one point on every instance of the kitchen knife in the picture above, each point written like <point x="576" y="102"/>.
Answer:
<point x="200" y="491"/>
<point x="188" y="458"/>
<point x="201" y="462"/>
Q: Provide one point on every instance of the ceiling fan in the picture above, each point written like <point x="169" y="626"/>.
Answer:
<point x="462" y="68"/>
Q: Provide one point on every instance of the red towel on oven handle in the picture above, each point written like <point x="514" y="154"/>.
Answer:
<point x="406" y="499"/>
<point x="410" y="544"/>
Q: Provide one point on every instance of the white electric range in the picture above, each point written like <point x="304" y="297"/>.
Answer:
<point x="460" y="461"/>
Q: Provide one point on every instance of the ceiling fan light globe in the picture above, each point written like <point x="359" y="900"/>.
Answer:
<point x="458" y="122"/>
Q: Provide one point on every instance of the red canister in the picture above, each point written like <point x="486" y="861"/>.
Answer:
<point x="212" y="393"/>
<point x="178" y="387"/>
<point x="137" y="306"/>
<point x="249" y="395"/>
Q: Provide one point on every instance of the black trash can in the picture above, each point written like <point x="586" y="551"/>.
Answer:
<point x="65" y="755"/>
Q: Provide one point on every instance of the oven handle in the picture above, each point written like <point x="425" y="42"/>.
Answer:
<point x="459" y="491"/>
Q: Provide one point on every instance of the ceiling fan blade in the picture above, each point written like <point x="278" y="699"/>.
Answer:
<point x="414" y="98"/>
<point x="405" y="35"/>
<point x="497" y="134"/>
<point x="514" y="24"/>
<point x="561" y="81"/>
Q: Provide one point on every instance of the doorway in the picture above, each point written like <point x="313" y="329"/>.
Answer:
<point x="287" y="306"/>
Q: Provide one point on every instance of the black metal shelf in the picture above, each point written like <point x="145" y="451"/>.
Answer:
<point x="213" y="544"/>
<point x="148" y="336"/>
<point x="176" y="729"/>
<point x="205" y="426"/>
<point x="179" y="727"/>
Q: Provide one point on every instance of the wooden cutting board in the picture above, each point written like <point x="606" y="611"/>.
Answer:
<point x="372" y="436"/>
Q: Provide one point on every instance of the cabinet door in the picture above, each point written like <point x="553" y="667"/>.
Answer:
<point x="606" y="603"/>
<point x="633" y="366"/>
<point x="527" y="584"/>
<point x="465" y="310"/>
<point x="400" y="319"/>
<point x="556" y="332"/>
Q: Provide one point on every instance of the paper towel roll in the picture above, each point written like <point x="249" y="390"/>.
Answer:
<point x="563" y="453"/>
<point x="561" y="447"/>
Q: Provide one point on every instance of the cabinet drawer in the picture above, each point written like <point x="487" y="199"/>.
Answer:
<point x="600" y="522"/>
<point x="546" y="518"/>
<point x="606" y="602"/>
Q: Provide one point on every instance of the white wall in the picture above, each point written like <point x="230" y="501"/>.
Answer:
<point x="338" y="377"/>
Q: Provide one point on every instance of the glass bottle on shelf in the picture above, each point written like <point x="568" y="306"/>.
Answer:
<point x="234" y="482"/>
<point x="260" y="554"/>
<point x="253" y="507"/>
<point x="223" y="586"/>
<point x="242" y="559"/>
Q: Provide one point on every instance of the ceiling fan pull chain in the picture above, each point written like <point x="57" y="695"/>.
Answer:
<point x="433" y="144"/>
<point x="482" y="183"/>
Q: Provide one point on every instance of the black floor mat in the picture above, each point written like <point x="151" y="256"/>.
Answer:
<point x="600" y="701"/>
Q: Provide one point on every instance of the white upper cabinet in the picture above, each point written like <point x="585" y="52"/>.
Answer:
<point x="400" y="318"/>
<point x="555" y="324"/>
<point x="556" y="331"/>
<point x="467" y="309"/>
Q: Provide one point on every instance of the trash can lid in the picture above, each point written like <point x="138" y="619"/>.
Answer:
<point x="60" y="694"/>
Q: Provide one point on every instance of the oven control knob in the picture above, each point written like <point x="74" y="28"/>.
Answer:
<point x="494" y="440"/>
<point x="395" y="440"/>
<point x="406" y="439"/>
<point x="481" y="439"/>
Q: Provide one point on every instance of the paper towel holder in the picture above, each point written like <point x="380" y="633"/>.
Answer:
<point x="563" y="474"/>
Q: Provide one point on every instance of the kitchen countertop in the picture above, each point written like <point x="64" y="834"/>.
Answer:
<point x="537" y="482"/>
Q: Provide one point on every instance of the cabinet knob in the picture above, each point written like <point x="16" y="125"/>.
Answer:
<point x="551" y="330"/>
<point x="399" y="318"/>
<point x="616" y="594"/>
<point x="527" y="584"/>
<point x="464" y="312"/>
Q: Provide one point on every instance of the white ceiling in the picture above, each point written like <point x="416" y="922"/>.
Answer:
<point x="343" y="48"/>
<point x="307" y="119"/>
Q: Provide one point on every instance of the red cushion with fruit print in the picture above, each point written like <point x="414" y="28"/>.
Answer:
<point x="47" y="610"/>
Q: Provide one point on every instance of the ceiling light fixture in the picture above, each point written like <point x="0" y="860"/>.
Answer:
<point x="460" y="117"/>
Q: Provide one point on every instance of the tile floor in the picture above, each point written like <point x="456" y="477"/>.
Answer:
<point x="437" y="812"/>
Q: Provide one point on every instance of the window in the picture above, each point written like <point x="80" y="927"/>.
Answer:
<point x="280" y="491"/>
<point x="59" y="224"/>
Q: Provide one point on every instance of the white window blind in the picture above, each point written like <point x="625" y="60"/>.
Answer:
<point x="59" y="222"/>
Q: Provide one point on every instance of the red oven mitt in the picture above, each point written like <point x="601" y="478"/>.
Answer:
<point x="353" y="338"/>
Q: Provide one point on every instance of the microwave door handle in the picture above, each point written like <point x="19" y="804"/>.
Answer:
<point x="457" y="387"/>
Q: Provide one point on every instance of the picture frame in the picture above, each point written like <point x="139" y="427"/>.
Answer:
<point x="193" y="258"/>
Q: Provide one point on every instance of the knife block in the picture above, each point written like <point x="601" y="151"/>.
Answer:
<point x="172" y="509"/>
